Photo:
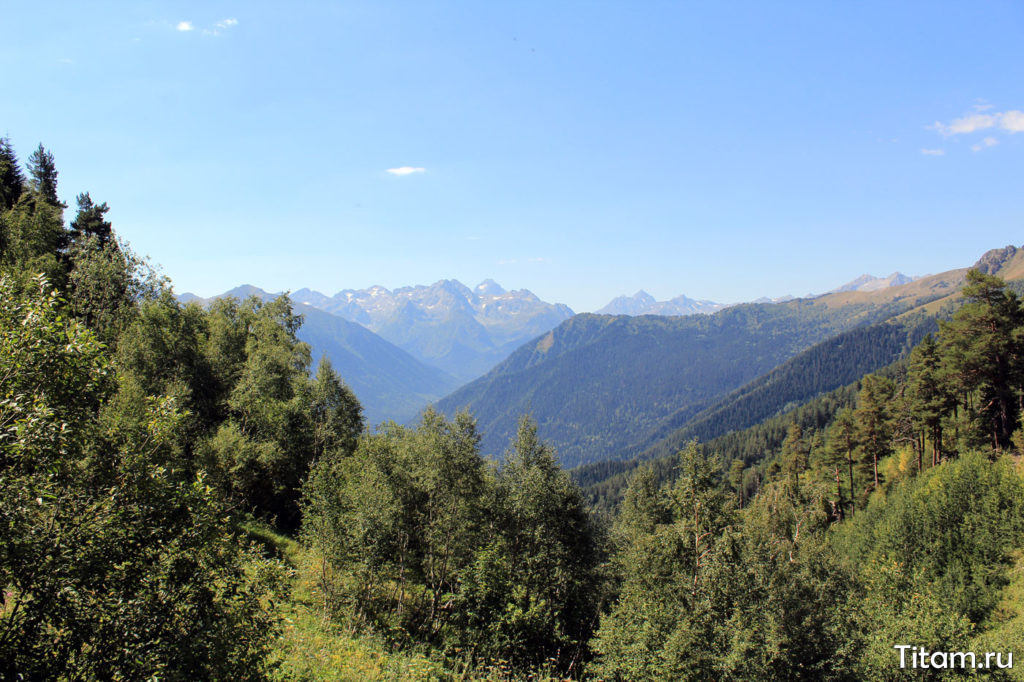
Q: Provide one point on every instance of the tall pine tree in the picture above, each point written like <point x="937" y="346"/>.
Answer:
<point x="43" y="173"/>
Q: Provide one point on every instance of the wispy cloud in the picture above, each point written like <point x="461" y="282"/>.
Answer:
<point x="221" y="25"/>
<point x="966" y="124"/>
<point x="987" y="142"/>
<point x="933" y="152"/>
<point x="214" y="30"/>
<point x="406" y="170"/>
<point x="1011" y="121"/>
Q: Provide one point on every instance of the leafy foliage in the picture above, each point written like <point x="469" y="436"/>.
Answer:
<point x="420" y="538"/>
<point x="104" y="540"/>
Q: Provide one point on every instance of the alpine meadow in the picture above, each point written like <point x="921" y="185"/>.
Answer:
<point x="310" y="436"/>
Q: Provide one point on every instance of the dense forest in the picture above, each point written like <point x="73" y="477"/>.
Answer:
<point x="184" y="496"/>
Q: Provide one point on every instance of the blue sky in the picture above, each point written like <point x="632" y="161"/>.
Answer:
<point x="581" y="150"/>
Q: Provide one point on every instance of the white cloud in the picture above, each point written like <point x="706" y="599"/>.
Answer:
<point x="967" y="124"/>
<point x="212" y="31"/>
<point x="1012" y="121"/>
<point x="987" y="142"/>
<point x="406" y="170"/>
<point x="933" y="152"/>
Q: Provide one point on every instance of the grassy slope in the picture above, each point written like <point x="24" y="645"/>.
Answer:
<point x="313" y="648"/>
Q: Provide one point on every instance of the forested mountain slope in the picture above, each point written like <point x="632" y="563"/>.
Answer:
<point x="832" y="363"/>
<point x="750" y="424"/>
<point x="389" y="382"/>
<point x="599" y="385"/>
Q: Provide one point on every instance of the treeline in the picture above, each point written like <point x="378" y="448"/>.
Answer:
<point x="931" y="396"/>
<point x="960" y="390"/>
<point x="601" y="384"/>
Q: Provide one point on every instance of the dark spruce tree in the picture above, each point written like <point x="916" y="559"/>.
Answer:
<point x="12" y="180"/>
<point x="91" y="221"/>
<point x="43" y="173"/>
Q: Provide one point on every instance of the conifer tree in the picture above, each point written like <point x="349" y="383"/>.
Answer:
<point x="90" y="221"/>
<point x="984" y="348"/>
<point x="874" y="425"/>
<point x="43" y="173"/>
<point x="736" y="479"/>
<point x="931" y="399"/>
<point x="842" y="441"/>
<point x="12" y="181"/>
<point x="794" y="458"/>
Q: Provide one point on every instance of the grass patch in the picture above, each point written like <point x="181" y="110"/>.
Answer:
<point x="312" y="647"/>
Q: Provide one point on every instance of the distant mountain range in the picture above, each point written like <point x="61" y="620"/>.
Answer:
<point x="870" y="283"/>
<point x="777" y="299"/>
<point x="642" y="303"/>
<point x="402" y="349"/>
<point x="462" y="331"/>
<point x="390" y="383"/>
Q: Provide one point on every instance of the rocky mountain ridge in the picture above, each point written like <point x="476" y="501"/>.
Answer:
<point x="642" y="303"/>
<point x="462" y="331"/>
